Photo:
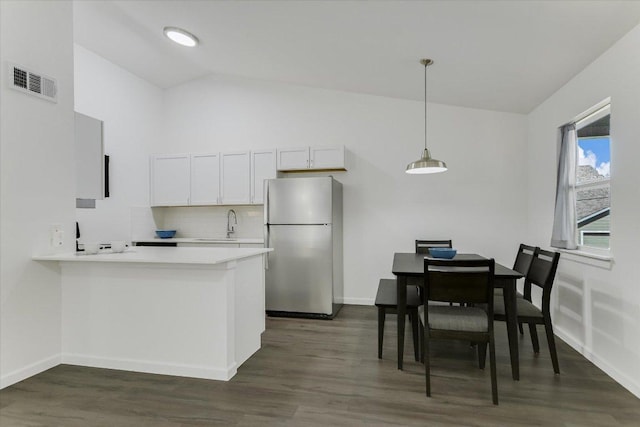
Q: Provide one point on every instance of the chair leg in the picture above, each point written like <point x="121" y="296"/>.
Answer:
<point x="482" y="354"/>
<point x="425" y="354"/>
<point x="413" y="314"/>
<point x="421" y="341"/>
<point x="533" y="331"/>
<point x="552" y="344"/>
<point x="381" y="316"/>
<point x="492" y="364"/>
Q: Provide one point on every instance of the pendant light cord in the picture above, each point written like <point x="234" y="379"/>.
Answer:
<point x="425" y="105"/>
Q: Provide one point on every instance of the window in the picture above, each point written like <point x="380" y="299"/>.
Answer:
<point x="593" y="201"/>
<point x="583" y="203"/>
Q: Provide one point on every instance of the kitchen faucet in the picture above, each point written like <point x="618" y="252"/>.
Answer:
<point x="231" y="227"/>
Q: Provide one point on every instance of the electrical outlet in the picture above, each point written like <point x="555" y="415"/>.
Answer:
<point x="57" y="235"/>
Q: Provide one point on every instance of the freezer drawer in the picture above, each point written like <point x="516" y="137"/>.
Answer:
<point x="299" y="277"/>
<point x="298" y="201"/>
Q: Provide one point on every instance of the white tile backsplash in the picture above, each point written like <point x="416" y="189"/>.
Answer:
<point x="143" y="223"/>
<point x="209" y="221"/>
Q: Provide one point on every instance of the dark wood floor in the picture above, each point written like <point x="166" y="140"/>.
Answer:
<point x="321" y="373"/>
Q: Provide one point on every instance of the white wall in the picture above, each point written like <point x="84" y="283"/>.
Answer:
<point x="479" y="203"/>
<point x="37" y="184"/>
<point x="597" y="309"/>
<point x="131" y="109"/>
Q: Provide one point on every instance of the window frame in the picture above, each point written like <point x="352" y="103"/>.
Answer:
<point x="593" y="114"/>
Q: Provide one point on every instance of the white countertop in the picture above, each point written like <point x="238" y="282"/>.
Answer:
<point x="204" y="240"/>
<point x="161" y="255"/>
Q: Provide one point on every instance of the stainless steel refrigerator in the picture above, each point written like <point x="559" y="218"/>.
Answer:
<point x="303" y="225"/>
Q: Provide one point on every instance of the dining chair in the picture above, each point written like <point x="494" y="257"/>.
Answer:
<point x="468" y="282"/>
<point x="524" y="256"/>
<point x="541" y="273"/>
<point x="422" y="246"/>
<point x="387" y="299"/>
<point x="387" y="303"/>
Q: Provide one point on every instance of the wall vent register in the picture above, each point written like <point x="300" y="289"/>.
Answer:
<point x="34" y="83"/>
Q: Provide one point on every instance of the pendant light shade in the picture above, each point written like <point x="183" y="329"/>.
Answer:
<point x="426" y="164"/>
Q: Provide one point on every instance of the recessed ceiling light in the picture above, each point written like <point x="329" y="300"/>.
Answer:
<point x="180" y="36"/>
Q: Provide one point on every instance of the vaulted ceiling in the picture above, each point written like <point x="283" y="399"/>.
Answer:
<point x="497" y="55"/>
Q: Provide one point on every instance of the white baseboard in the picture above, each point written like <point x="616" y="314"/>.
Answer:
<point x="151" y="367"/>
<point x="29" y="371"/>
<point x="570" y="340"/>
<point x="622" y="379"/>
<point x="359" y="301"/>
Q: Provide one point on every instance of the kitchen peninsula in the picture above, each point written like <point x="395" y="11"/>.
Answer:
<point x="196" y="312"/>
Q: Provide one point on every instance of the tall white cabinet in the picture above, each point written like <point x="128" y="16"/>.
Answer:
<point x="89" y="153"/>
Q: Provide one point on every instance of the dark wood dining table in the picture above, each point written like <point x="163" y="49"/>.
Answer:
<point x="409" y="269"/>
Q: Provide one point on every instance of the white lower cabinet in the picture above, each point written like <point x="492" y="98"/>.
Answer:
<point x="219" y="245"/>
<point x="211" y="245"/>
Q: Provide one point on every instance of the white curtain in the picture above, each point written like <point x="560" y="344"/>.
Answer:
<point x="564" y="221"/>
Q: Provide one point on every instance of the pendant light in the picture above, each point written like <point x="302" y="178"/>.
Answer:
<point x="426" y="164"/>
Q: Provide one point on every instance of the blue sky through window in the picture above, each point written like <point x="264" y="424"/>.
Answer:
<point x="595" y="152"/>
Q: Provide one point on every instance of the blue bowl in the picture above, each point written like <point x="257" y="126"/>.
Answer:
<point x="165" y="234"/>
<point x="446" y="253"/>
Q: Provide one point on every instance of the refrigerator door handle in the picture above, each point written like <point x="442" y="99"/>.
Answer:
<point x="266" y="202"/>
<point x="266" y="245"/>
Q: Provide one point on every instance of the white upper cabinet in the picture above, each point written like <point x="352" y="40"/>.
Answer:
<point x="293" y="158"/>
<point x="205" y="179"/>
<point x="89" y="157"/>
<point x="263" y="166"/>
<point x="235" y="182"/>
<point x="233" y="178"/>
<point x="311" y="158"/>
<point x="170" y="180"/>
<point x="326" y="157"/>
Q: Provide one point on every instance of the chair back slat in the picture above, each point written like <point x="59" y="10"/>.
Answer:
<point x="543" y="269"/>
<point x="459" y="281"/>
<point x="524" y="258"/>
<point x="422" y="246"/>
